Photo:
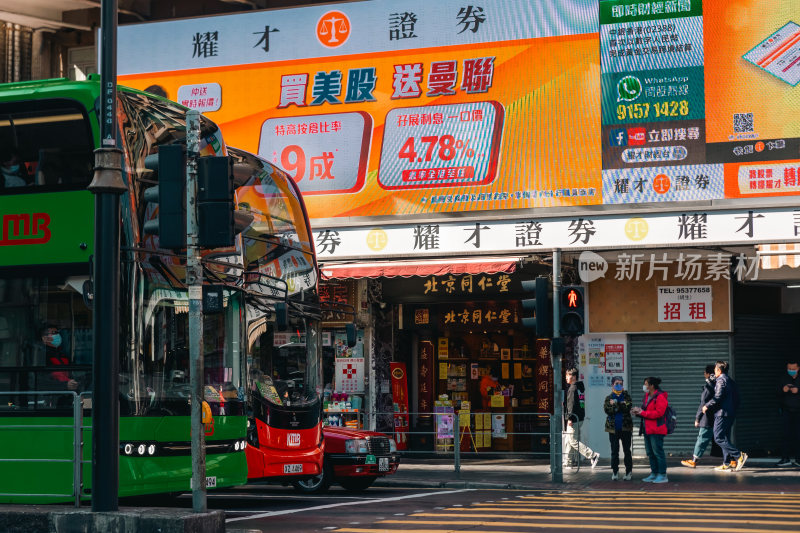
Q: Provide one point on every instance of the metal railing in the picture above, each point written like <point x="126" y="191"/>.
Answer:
<point x="77" y="442"/>
<point x="444" y="434"/>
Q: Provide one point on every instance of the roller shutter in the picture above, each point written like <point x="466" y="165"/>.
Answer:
<point x="679" y="361"/>
<point x="761" y="344"/>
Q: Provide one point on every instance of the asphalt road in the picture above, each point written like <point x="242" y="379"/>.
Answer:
<point x="264" y="508"/>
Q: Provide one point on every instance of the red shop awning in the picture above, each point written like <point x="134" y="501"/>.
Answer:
<point x="422" y="268"/>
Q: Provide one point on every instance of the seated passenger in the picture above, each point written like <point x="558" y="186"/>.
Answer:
<point x="14" y="174"/>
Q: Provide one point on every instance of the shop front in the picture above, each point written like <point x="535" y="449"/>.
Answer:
<point x="470" y="361"/>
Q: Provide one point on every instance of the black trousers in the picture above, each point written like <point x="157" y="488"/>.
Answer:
<point x="790" y="448"/>
<point x="614" y="439"/>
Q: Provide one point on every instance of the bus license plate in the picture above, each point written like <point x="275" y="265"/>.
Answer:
<point x="293" y="469"/>
<point x="383" y="464"/>
<point x="211" y="482"/>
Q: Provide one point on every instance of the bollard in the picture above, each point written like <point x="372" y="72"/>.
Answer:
<point x="457" y="448"/>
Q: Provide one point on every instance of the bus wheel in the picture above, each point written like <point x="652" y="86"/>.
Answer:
<point x="316" y="484"/>
<point x="357" y="484"/>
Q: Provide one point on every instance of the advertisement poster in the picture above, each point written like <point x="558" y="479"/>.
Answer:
<point x="400" y="403"/>
<point x="446" y="107"/>
<point x="376" y="109"/>
<point x="343" y="350"/>
<point x="690" y="303"/>
<point x="349" y="374"/>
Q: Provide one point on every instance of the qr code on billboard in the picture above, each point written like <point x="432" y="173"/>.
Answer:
<point x="742" y="122"/>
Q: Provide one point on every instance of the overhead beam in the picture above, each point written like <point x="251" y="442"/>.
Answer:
<point x="39" y="23"/>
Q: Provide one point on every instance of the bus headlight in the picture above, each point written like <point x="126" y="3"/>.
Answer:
<point x="151" y="450"/>
<point x="236" y="446"/>
<point x="244" y="443"/>
<point x="140" y="449"/>
<point x="128" y="448"/>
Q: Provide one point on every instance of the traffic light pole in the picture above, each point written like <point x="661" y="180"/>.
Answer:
<point x="194" y="282"/>
<point x="556" y="467"/>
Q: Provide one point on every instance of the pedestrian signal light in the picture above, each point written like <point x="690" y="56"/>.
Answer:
<point x="541" y="322"/>
<point x="571" y="312"/>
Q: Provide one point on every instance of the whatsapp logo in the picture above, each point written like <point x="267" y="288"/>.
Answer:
<point x="628" y="89"/>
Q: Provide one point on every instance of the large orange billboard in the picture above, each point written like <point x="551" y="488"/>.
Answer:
<point x="440" y="108"/>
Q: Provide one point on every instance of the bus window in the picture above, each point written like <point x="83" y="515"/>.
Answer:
<point x="46" y="143"/>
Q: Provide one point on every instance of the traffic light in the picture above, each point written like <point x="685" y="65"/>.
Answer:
<point x="572" y="310"/>
<point x="541" y="321"/>
<point x="215" y="204"/>
<point x="170" y="195"/>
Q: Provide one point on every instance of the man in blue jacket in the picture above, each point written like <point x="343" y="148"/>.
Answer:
<point x="724" y="405"/>
<point x="703" y="421"/>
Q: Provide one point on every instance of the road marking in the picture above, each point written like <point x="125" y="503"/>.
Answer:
<point x="570" y="509"/>
<point x="543" y="515"/>
<point x="549" y="525"/>
<point x="346" y="504"/>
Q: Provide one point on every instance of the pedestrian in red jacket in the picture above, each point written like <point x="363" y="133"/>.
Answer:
<point x="654" y="427"/>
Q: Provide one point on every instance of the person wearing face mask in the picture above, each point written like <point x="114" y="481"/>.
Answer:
<point x="654" y="427"/>
<point x="574" y="413"/>
<point x="702" y="420"/>
<point x="724" y="405"/>
<point x="13" y="173"/>
<point x="55" y="356"/>
<point x="788" y="391"/>
<point x="619" y="426"/>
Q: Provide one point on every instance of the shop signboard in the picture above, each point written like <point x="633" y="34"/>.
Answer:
<point x="479" y="314"/>
<point x="338" y="299"/>
<point x="688" y="303"/>
<point x="425" y="378"/>
<point x="544" y="377"/>
<point x="579" y="231"/>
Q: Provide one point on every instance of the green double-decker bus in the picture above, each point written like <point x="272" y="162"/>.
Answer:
<point x="48" y="131"/>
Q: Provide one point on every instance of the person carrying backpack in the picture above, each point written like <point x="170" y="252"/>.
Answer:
<point x="724" y="405"/>
<point x="654" y="426"/>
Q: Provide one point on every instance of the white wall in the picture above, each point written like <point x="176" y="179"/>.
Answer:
<point x="598" y="385"/>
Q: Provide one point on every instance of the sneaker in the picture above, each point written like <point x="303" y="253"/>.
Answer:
<point x="784" y="462"/>
<point x="650" y="478"/>
<point x="689" y="463"/>
<point x="595" y="458"/>
<point x="614" y="476"/>
<point x="742" y="460"/>
<point x="661" y="478"/>
<point x="627" y="477"/>
<point x="725" y="466"/>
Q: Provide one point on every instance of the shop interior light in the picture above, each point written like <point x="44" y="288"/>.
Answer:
<point x="793" y="286"/>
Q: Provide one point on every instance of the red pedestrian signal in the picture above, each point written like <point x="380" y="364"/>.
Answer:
<point x="572" y="299"/>
<point x="571" y="312"/>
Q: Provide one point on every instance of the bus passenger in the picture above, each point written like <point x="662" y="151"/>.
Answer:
<point x="55" y="356"/>
<point x="13" y="172"/>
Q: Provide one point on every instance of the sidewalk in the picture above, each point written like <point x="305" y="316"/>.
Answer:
<point x="758" y="475"/>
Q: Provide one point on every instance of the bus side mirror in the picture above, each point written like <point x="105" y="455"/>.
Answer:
<point x="351" y="335"/>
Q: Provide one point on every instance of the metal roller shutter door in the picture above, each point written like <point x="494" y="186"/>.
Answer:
<point x="679" y="361"/>
<point x="761" y="345"/>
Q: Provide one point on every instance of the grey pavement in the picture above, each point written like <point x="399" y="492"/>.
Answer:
<point x="515" y="473"/>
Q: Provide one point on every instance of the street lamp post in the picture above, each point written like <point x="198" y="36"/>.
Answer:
<point x="107" y="186"/>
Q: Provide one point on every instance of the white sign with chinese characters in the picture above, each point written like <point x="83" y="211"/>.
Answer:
<point x="587" y="231"/>
<point x="690" y="303"/>
<point x="202" y="96"/>
<point x="349" y="373"/>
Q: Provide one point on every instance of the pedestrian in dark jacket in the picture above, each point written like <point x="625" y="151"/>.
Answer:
<point x="788" y="391"/>
<point x="619" y="426"/>
<point x="723" y="406"/>
<point x="702" y="420"/>
<point x="654" y="427"/>
<point x="574" y="413"/>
